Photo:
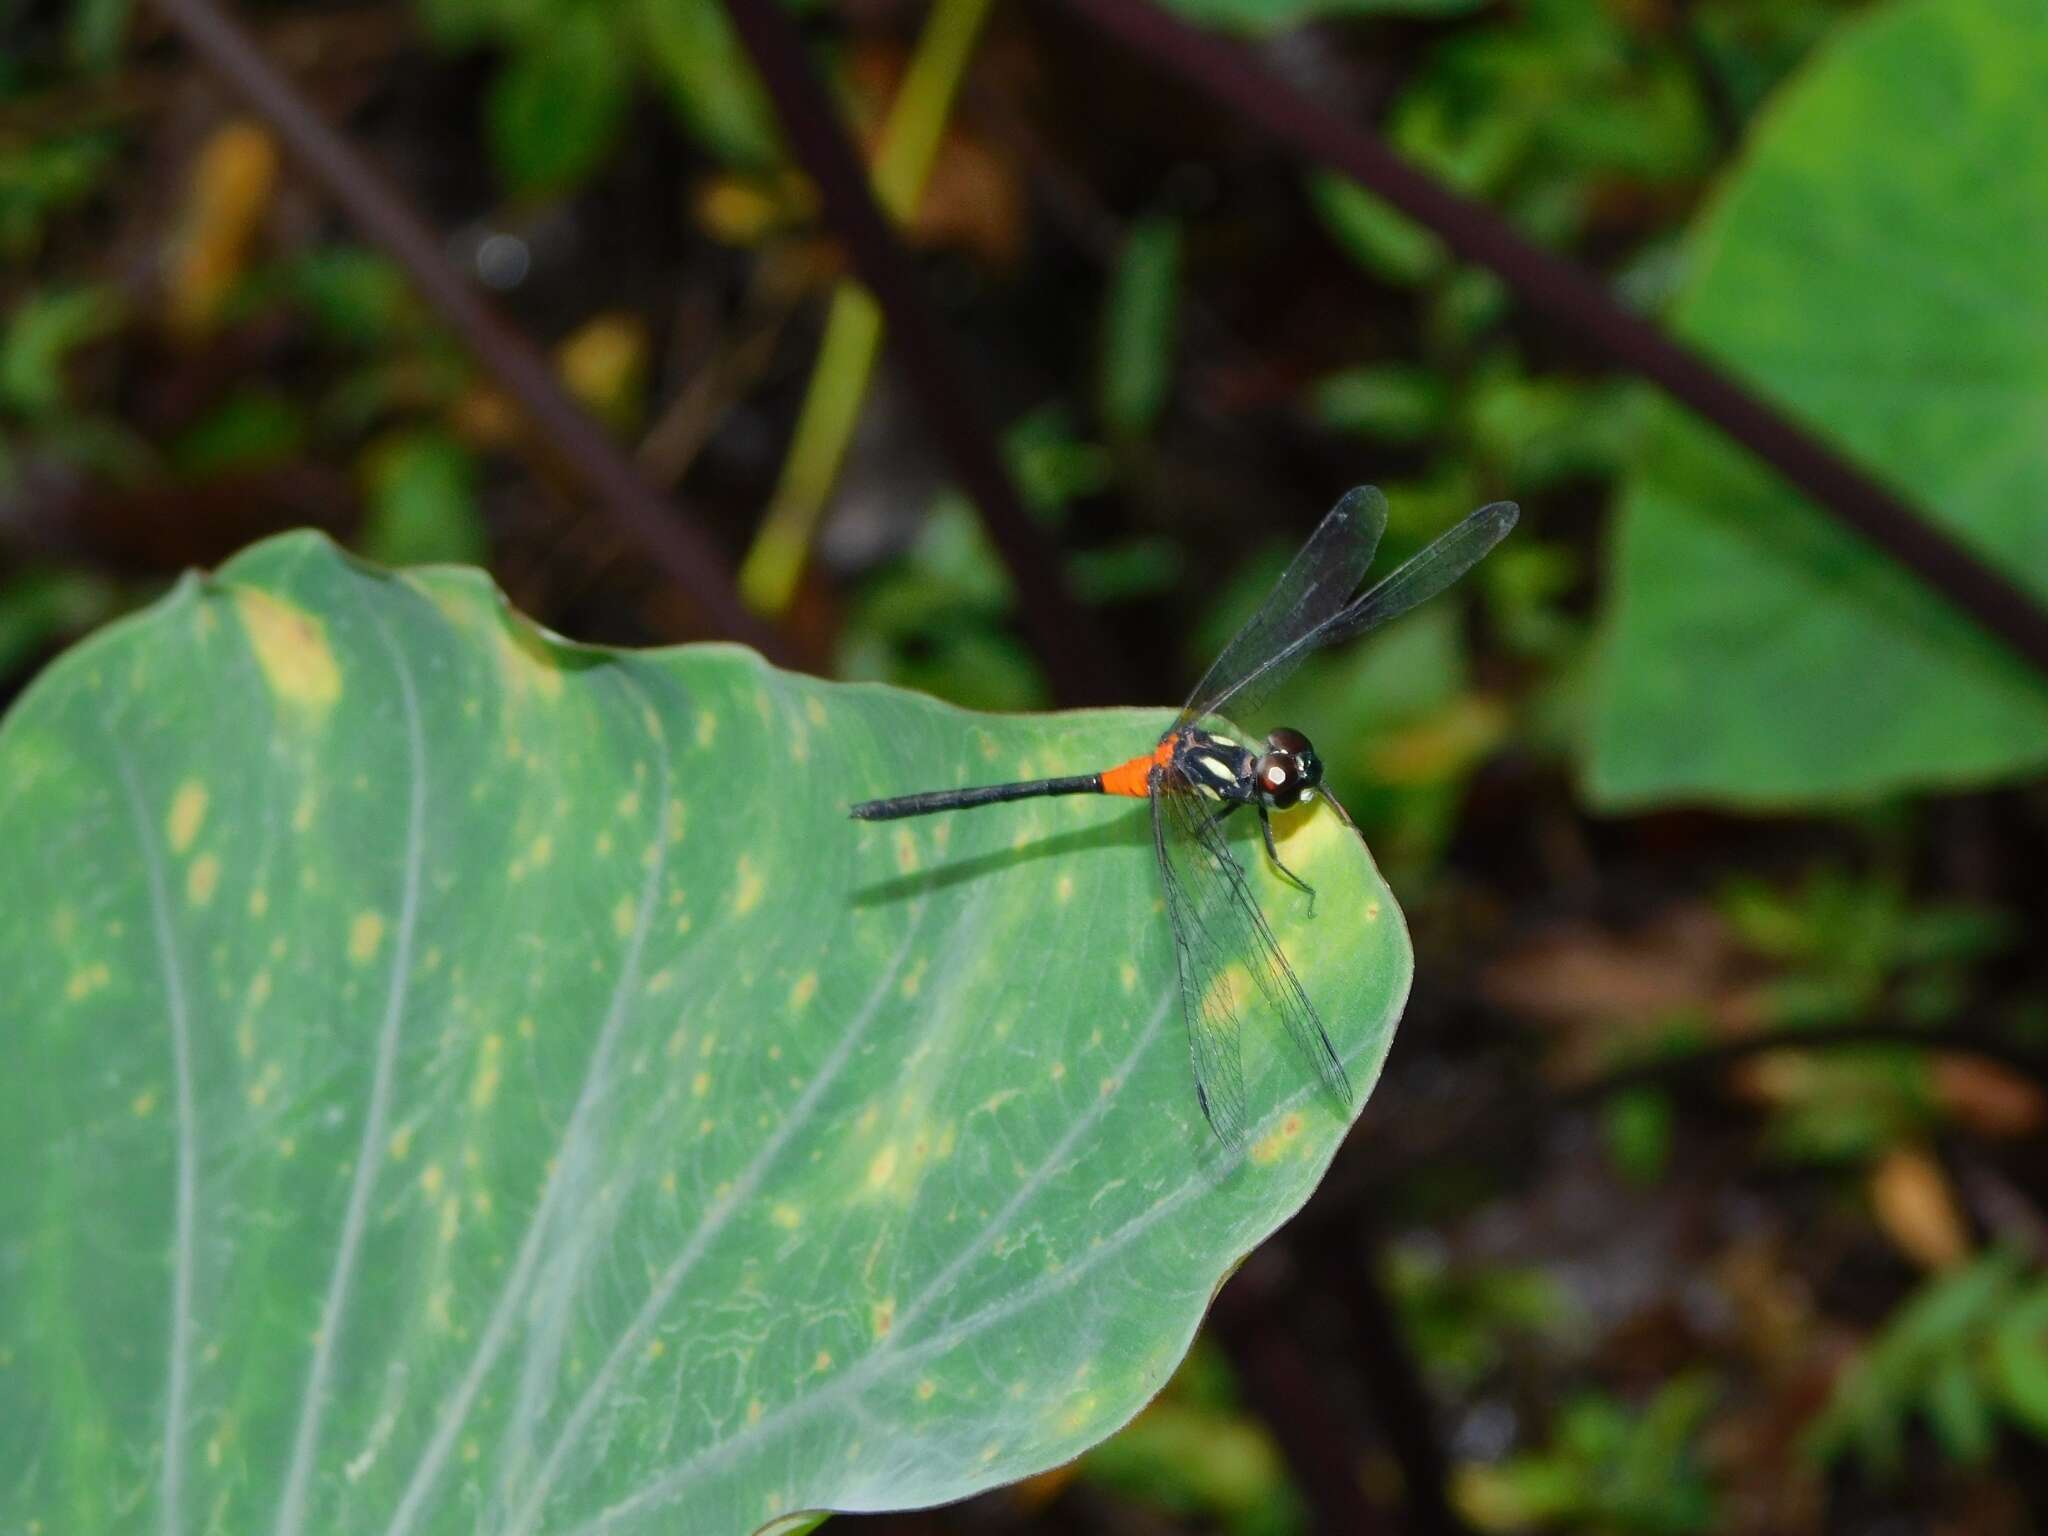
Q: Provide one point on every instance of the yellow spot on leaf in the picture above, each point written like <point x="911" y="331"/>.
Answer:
<point x="525" y="663"/>
<point x="747" y="894"/>
<point x="1267" y="1148"/>
<point x="707" y="727"/>
<point x="883" y="1318"/>
<point x="754" y="1411"/>
<point x="914" y="982"/>
<point x="259" y="1092"/>
<point x="431" y="1179"/>
<point x="1235" y="989"/>
<point x="622" y="917"/>
<point x="527" y="1028"/>
<point x="202" y="879"/>
<point x="451" y="1218"/>
<point x="1372" y="911"/>
<point x="787" y="1217"/>
<point x="805" y="989"/>
<point x="668" y="1182"/>
<point x="906" y="852"/>
<point x="85" y="982"/>
<point x="1063" y="892"/>
<point x="364" y="935"/>
<point x="485" y="1088"/>
<point x="700" y="1084"/>
<point x="291" y="648"/>
<point x="302" y="813"/>
<point x="883" y="1167"/>
<point x="656" y="1348"/>
<point x="188" y="811"/>
<point x="1078" y="1415"/>
<point x="401" y="1143"/>
<point x="144" y="1103"/>
<point x="1128" y="976"/>
<point x="259" y="902"/>
<point x="926" y="1390"/>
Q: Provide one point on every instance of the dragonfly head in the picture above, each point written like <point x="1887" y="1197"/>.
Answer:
<point x="1287" y="771"/>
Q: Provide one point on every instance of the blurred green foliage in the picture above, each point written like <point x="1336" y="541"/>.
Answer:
<point x="1847" y="948"/>
<point x="1969" y="1351"/>
<point x="1195" y="1452"/>
<point x="1259" y="16"/>
<point x="1465" y="1320"/>
<point x="1610" y="1466"/>
<point x="1138" y="328"/>
<point x="572" y="65"/>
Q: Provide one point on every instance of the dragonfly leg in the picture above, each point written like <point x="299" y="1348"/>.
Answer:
<point x="1273" y="853"/>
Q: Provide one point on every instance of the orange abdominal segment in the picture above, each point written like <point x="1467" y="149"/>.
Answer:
<point x="1135" y="777"/>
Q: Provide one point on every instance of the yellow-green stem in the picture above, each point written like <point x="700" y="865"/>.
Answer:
<point x="853" y="327"/>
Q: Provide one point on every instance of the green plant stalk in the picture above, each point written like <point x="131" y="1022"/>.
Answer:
<point x="853" y="327"/>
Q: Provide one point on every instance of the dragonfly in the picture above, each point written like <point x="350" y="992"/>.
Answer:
<point x="1198" y="774"/>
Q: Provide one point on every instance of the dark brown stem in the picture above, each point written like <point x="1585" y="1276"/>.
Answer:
<point x="1347" y="1265"/>
<point x="1288" y="1387"/>
<point x="679" y="548"/>
<point x="1083" y="668"/>
<point x="1581" y="306"/>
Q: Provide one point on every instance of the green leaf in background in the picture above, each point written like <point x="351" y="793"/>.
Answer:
<point x="254" y="426"/>
<point x="1262" y="16"/>
<point x="463" y="1081"/>
<point x="1395" y="402"/>
<point x="41" y="334"/>
<point x="1875" y="265"/>
<point x="693" y="50"/>
<point x="44" y="176"/>
<point x="423" y="507"/>
<point x="1139" y="322"/>
<point x="1380" y="238"/>
<point x="554" y="110"/>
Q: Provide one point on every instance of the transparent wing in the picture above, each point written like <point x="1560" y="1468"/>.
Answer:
<point x="1315" y="585"/>
<point x="1410" y="584"/>
<point x="1229" y="959"/>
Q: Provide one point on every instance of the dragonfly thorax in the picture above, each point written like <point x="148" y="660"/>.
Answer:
<point x="1277" y="778"/>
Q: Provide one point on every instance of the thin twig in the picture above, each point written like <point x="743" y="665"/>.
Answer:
<point x="909" y="146"/>
<point x="1082" y="668"/>
<point x="678" y="547"/>
<point x="1582" y="307"/>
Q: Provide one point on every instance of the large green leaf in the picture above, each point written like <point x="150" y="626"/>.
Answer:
<point x="1875" y="264"/>
<point x="460" y="1081"/>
